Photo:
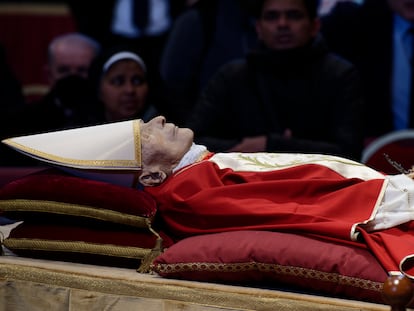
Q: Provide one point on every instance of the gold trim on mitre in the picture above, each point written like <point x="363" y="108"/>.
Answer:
<point x="111" y="146"/>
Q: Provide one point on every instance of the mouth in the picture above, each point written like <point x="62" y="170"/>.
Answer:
<point x="284" y="39"/>
<point x="129" y="103"/>
<point x="174" y="129"/>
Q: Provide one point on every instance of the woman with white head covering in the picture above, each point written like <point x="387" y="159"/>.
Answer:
<point x="119" y="78"/>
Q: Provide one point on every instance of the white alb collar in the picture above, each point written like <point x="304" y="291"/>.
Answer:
<point x="192" y="155"/>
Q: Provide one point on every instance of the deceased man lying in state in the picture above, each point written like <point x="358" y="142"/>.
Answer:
<point x="200" y="192"/>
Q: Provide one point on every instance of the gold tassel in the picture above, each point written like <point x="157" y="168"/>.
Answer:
<point x="149" y="258"/>
<point x="1" y="244"/>
<point x="156" y="251"/>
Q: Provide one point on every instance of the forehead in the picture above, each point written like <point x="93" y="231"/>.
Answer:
<point x="279" y="5"/>
<point x="145" y="129"/>
<point x="125" y="64"/>
<point x="77" y="58"/>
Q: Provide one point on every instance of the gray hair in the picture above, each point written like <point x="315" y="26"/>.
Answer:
<point x="72" y="38"/>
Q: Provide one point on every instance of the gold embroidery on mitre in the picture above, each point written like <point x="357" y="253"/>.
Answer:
<point x="91" y="164"/>
<point x="137" y="142"/>
<point x="118" y="164"/>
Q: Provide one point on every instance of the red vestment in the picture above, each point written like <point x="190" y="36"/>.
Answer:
<point x="308" y="198"/>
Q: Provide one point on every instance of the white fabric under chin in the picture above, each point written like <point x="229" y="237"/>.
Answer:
<point x="192" y="155"/>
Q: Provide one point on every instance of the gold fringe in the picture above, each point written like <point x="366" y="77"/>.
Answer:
<point x="1" y="244"/>
<point x="145" y="266"/>
<point x="149" y="258"/>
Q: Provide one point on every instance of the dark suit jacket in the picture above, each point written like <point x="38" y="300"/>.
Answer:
<point x="363" y="35"/>
<point x="314" y="93"/>
<point x="95" y="18"/>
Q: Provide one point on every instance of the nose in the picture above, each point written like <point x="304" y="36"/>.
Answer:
<point x="129" y="87"/>
<point x="282" y="21"/>
<point x="160" y="120"/>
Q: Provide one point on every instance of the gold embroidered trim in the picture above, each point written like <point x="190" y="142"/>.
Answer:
<point x="137" y="141"/>
<point x="120" y="164"/>
<point x="61" y="208"/>
<point x="271" y="268"/>
<point x="257" y="162"/>
<point x="76" y="247"/>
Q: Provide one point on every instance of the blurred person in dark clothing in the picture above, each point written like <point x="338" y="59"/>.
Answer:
<point x="11" y="92"/>
<point x="377" y="36"/>
<point x="219" y="31"/>
<point x="69" y="102"/>
<point x="290" y="95"/>
<point x="70" y="54"/>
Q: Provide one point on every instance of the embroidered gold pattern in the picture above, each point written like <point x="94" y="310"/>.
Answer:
<point x="137" y="142"/>
<point x="310" y="159"/>
<point x="76" y="163"/>
<point x="334" y="278"/>
<point x="76" y="247"/>
<point x="21" y="205"/>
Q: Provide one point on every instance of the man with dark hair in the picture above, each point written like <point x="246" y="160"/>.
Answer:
<point x="312" y="7"/>
<point x="289" y="95"/>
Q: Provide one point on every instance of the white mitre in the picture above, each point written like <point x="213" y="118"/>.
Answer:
<point x="109" y="152"/>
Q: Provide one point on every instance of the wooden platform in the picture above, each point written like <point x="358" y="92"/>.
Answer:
<point x="29" y="284"/>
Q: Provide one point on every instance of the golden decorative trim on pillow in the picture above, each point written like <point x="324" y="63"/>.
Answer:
<point x="241" y="267"/>
<point x="123" y="246"/>
<point x="62" y="208"/>
<point x="76" y="247"/>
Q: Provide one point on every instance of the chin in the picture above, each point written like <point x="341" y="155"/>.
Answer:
<point x="187" y="136"/>
<point x="187" y="132"/>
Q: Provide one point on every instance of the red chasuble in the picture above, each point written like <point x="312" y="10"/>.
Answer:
<point x="308" y="198"/>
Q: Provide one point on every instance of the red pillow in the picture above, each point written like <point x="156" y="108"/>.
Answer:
<point x="76" y="219"/>
<point x="112" y="246"/>
<point x="276" y="259"/>
<point x="54" y="185"/>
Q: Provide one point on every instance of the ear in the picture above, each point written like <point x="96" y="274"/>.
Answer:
<point x="316" y="26"/>
<point x="47" y="73"/>
<point x="150" y="179"/>
<point x="258" y="27"/>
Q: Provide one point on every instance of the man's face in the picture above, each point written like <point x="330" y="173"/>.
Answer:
<point x="164" y="144"/>
<point x="70" y="59"/>
<point x="404" y="8"/>
<point x="285" y="24"/>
